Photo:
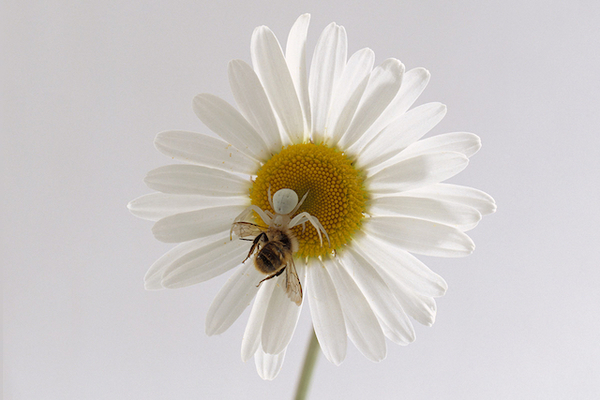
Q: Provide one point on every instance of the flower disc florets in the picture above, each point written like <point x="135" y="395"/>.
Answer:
<point x="336" y="194"/>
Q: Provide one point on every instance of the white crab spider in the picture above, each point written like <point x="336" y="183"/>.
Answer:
<point x="285" y="204"/>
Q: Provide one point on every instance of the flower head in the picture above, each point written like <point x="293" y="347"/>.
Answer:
<point x="345" y="139"/>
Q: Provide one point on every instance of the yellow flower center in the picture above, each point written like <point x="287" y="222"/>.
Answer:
<point x="336" y="194"/>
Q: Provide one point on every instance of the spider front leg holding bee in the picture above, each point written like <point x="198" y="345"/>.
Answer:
<point x="276" y="244"/>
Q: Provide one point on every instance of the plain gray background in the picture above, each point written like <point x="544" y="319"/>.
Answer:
<point x="86" y="87"/>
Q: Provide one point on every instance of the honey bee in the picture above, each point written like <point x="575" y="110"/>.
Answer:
<point x="276" y="244"/>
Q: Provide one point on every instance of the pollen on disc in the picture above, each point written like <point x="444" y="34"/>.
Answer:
<point x="336" y="194"/>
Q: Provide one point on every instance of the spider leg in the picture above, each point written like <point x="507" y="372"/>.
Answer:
<point x="303" y="217"/>
<point x="270" y="198"/>
<point x="245" y="214"/>
<point x="310" y="219"/>
<point x="321" y="227"/>
<point x="299" y="203"/>
<point x="261" y="214"/>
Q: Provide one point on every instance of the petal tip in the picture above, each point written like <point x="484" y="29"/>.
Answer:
<point x="476" y="145"/>
<point x="160" y="235"/>
<point x="471" y="248"/>
<point x="337" y="362"/>
<point x="153" y="286"/>
<point x="209" y="330"/>
<point x="158" y="137"/>
<point x="169" y="283"/>
<point x="367" y="50"/>
<point x="233" y="64"/>
<point x="412" y="336"/>
<point x="493" y="206"/>
<point x="260" y="30"/>
<point x="443" y="287"/>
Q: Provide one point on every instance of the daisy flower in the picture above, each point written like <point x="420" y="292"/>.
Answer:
<point x="344" y="133"/>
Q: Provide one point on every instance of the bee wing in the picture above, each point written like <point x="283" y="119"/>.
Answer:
<point x="293" y="288"/>
<point x="246" y="229"/>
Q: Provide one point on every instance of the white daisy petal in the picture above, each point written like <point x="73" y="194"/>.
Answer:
<point x="383" y="85"/>
<point x="155" y="206"/>
<point x="252" y="334"/>
<point x="444" y="212"/>
<point x="194" y="179"/>
<point x="348" y="93"/>
<point x="195" y="224"/>
<point x="378" y="294"/>
<point x="253" y="103"/>
<point x="224" y="120"/>
<point x="232" y="299"/>
<point x="272" y="70"/>
<point x="416" y="172"/>
<point x="481" y="201"/>
<point x="421" y="308"/>
<point x="325" y="71"/>
<point x="205" y="263"/>
<point x="281" y="317"/>
<point x="401" y="265"/>
<point x="413" y="84"/>
<point x="200" y="149"/>
<point x="420" y="236"/>
<point x="295" y="55"/>
<point x="344" y="134"/>
<point x="156" y="271"/>
<point x="268" y="365"/>
<point x="326" y="312"/>
<point x="362" y="325"/>
<point x="391" y="334"/>
<point x="460" y="142"/>
<point x="401" y="133"/>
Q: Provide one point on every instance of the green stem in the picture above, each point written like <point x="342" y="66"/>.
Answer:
<point x="310" y="360"/>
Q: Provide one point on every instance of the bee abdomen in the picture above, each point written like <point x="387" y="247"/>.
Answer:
<point x="271" y="257"/>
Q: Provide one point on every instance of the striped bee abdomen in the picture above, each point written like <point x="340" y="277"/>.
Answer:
<point x="271" y="257"/>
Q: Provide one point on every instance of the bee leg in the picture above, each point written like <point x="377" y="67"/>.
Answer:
<point x="258" y="241"/>
<point x="275" y="275"/>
